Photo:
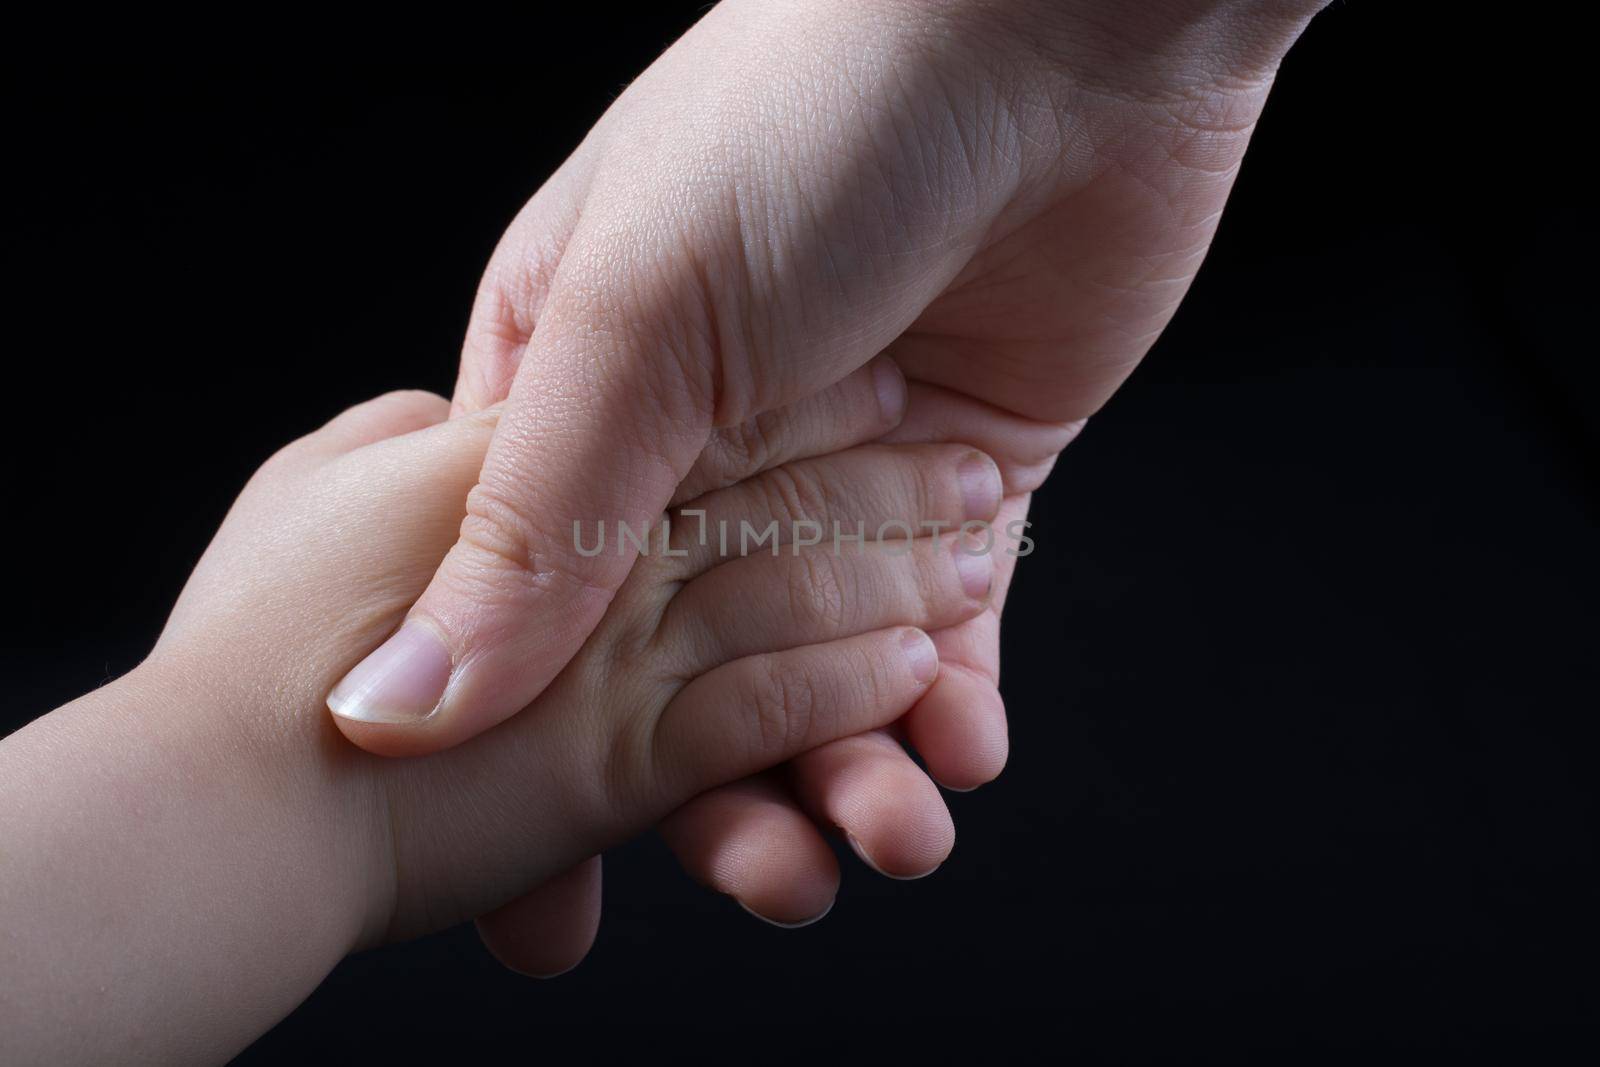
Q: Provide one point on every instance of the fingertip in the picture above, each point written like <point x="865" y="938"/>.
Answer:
<point x="959" y="729"/>
<point x="530" y="971"/>
<point x="897" y="823"/>
<point x="903" y="872"/>
<point x="974" y="566"/>
<point x="388" y="741"/>
<point x="384" y="702"/>
<point x="981" y="486"/>
<point x="921" y="655"/>
<point x="548" y="931"/>
<point x="889" y="811"/>
<point x="751" y="842"/>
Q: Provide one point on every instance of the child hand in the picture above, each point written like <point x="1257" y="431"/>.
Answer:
<point x="206" y="801"/>
<point x="760" y="842"/>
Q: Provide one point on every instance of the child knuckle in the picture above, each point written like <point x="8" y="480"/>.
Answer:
<point x="817" y="597"/>
<point x="794" y="494"/>
<point x="785" y="703"/>
<point x="749" y="446"/>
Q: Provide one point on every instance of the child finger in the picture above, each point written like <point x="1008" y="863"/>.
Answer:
<point x="959" y="726"/>
<point x="382" y="417"/>
<point x="759" y="711"/>
<point x="959" y="729"/>
<point x="762" y="603"/>
<point x="874" y="491"/>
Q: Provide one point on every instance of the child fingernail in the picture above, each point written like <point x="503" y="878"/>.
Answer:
<point x="890" y="386"/>
<point x="974" y="566"/>
<point x="401" y="682"/>
<point x="980" y="485"/>
<point x="921" y="656"/>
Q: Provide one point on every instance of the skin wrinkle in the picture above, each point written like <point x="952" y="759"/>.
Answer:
<point x="497" y="527"/>
<point x="836" y="271"/>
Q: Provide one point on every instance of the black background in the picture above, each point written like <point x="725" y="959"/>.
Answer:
<point x="1301" y="679"/>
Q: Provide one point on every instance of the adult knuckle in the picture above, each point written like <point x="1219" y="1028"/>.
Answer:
<point x="502" y="534"/>
<point x="497" y="528"/>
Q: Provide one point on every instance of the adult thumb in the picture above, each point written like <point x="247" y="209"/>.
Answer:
<point x="598" y="430"/>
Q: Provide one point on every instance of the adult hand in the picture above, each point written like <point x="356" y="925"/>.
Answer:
<point x="1010" y="197"/>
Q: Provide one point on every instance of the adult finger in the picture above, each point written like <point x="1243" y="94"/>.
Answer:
<point x="880" y="800"/>
<point x="751" y="841"/>
<point x="760" y="840"/>
<point x="550" y="929"/>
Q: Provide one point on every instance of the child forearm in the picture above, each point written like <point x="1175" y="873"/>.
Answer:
<point x="167" y="895"/>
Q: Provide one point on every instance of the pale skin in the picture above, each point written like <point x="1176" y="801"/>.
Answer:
<point x="186" y="852"/>
<point x="1010" y="197"/>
